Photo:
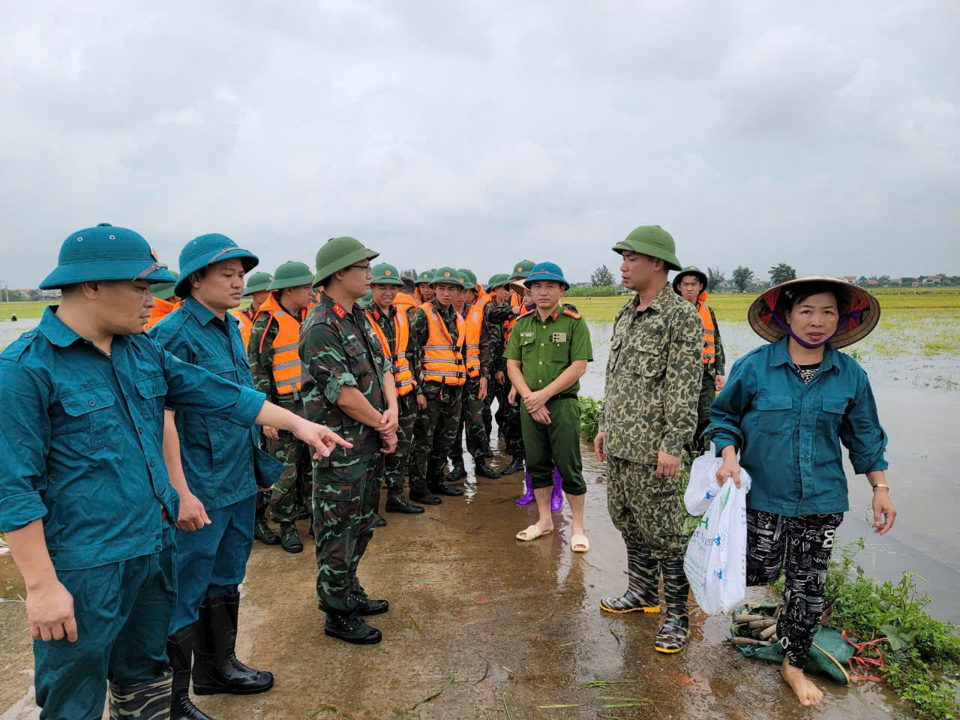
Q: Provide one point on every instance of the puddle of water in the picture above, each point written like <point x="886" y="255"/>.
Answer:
<point x="10" y="331"/>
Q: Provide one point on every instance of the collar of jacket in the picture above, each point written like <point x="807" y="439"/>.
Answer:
<point x="202" y="314"/>
<point x="781" y="355"/>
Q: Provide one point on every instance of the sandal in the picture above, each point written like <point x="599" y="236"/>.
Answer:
<point x="532" y="533"/>
<point x="579" y="543"/>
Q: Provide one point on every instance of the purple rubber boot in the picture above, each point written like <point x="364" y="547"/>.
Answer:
<point x="529" y="497"/>
<point x="556" y="498"/>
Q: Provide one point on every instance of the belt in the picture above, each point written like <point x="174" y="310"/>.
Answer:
<point x="565" y="396"/>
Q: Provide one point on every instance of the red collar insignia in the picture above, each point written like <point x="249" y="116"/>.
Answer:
<point x="338" y="309"/>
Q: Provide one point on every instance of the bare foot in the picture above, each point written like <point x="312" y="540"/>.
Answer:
<point x="546" y="525"/>
<point x="807" y="693"/>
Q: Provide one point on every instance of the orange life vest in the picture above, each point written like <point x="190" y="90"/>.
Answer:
<point x="245" y="319"/>
<point x="709" y="331"/>
<point x="407" y="302"/>
<point x="160" y="311"/>
<point x="286" y="353"/>
<point x="474" y="326"/>
<point x="442" y="358"/>
<point x="402" y="375"/>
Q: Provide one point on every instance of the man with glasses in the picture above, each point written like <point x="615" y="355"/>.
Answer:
<point x="347" y="380"/>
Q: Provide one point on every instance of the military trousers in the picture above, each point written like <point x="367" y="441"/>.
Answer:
<point x="511" y="429"/>
<point x="395" y="464"/>
<point x="555" y="445"/>
<point x="434" y="433"/>
<point x="647" y="510"/>
<point x="287" y="494"/>
<point x="212" y="561"/>
<point x="471" y="423"/>
<point x="123" y="613"/>
<point x="345" y="503"/>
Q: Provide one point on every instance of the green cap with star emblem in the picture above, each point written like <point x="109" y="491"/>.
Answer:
<point x="448" y="276"/>
<point x="385" y="274"/>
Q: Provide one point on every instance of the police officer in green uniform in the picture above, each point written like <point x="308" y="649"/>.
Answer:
<point x="547" y="355"/>
<point x="82" y="399"/>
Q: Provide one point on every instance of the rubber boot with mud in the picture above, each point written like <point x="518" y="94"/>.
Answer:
<point x="261" y="528"/>
<point x="399" y="504"/>
<point x="515" y="466"/>
<point x="457" y="472"/>
<point x="366" y="605"/>
<point x="148" y="700"/>
<point x="676" y="589"/>
<point x="481" y="469"/>
<point x="216" y="668"/>
<point x="528" y="496"/>
<point x="180" y="652"/>
<point x="351" y="628"/>
<point x="642" y="595"/>
<point x="290" y="538"/>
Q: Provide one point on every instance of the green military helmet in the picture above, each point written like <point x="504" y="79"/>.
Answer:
<point x="165" y="291"/>
<point x="521" y="269"/>
<point x="448" y="276"/>
<point x="385" y="274"/>
<point x="257" y="282"/>
<point x="651" y="240"/>
<point x="106" y="252"/>
<point x="291" y="274"/>
<point x="497" y="280"/>
<point x="425" y="277"/>
<point x="470" y="280"/>
<point x="339" y="253"/>
<point x="689" y="270"/>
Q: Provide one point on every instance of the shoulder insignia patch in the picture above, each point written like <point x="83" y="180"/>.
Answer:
<point x="573" y="314"/>
<point x="525" y="313"/>
<point x="338" y="309"/>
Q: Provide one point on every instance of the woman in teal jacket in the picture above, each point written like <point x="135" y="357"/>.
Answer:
<point x="787" y="408"/>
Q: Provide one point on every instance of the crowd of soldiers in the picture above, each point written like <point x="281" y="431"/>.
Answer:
<point x="358" y="378"/>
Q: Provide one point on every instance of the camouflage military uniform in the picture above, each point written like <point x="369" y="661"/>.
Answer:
<point x="708" y="391"/>
<point x="509" y="424"/>
<point x="435" y="430"/>
<point x="471" y="418"/>
<point x="497" y="344"/>
<point x="337" y="349"/>
<point x="395" y="465"/>
<point x="293" y="488"/>
<point x="653" y="380"/>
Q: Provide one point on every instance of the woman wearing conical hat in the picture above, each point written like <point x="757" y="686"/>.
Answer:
<point x="787" y="408"/>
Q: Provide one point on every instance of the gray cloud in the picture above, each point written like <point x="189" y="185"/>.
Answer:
<point x="824" y="135"/>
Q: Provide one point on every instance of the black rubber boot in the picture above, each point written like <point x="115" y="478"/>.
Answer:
<point x="149" y="700"/>
<point x="261" y="529"/>
<point x="367" y="606"/>
<point x="399" y="504"/>
<point x="481" y="469"/>
<point x="381" y="522"/>
<point x="425" y="496"/>
<point x="457" y="472"/>
<point x="290" y="538"/>
<point x="350" y="628"/>
<point x="441" y="488"/>
<point x="180" y="652"/>
<point x="216" y="668"/>
<point x="515" y="466"/>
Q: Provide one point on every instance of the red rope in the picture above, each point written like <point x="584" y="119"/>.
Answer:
<point x="863" y="662"/>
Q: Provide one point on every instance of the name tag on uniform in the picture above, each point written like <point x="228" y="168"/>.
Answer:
<point x="558" y="337"/>
<point x="527" y="334"/>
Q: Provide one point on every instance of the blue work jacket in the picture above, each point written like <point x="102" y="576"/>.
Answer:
<point x="222" y="462"/>
<point x="789" y="433"/>
<point x="82" y="442"/>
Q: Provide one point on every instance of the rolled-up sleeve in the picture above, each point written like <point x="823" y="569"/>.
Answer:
<point x="24" y="445"/>
<point x="726" y="412"/>
<point x="195" y="389"/>
<point x="861" y="432"/>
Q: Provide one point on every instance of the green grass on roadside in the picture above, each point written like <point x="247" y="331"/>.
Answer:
<point x="23" y="310"/>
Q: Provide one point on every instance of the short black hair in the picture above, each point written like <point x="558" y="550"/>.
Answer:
<point x="796" y="294"/>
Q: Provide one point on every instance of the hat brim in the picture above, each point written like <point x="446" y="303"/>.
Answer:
<point x="297" y="281"/>
<point x="700" y="275"/>
<point x="105" y="270"/>
<point x="456" y="282"/>
<point x="669" y="259"/>
<point x="247" y="258"/>
<point x="760" y="319"/>
<point x="260" y="287"/>
<point x="387" y="281"/>
<point x="546" y="277"/>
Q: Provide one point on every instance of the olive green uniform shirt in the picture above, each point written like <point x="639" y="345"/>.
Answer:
<point x="545" y="348"/>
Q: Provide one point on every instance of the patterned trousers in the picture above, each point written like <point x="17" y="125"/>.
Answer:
<point x="800" y="546"/>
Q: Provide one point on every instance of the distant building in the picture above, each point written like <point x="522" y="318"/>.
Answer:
<point x="852" y="279"/>
<point x="931" y="279"/>
<point x="50" y="294"/>
<point x="873" y="282"/>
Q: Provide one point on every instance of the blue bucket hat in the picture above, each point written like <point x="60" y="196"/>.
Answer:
<point x="206" y="250"/>
<point x="546" y="271"/>
<point x="106" y="252"/>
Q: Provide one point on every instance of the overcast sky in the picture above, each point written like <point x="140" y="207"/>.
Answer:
<point x="481" y="133"/>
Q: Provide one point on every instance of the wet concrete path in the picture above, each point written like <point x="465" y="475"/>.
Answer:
<point x="515" y="625"/>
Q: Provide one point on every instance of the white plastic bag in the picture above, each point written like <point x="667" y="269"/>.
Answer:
<point x="716" y="558"/>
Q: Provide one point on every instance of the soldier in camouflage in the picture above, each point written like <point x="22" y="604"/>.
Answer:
<point x="439" y="400"/>
<point x="348" y="382"/>
<point x="691" y="285"/>
<point x="494" y="319"/>
<point x="386" y="315"/>
<point x="275" y="367"/>
<point x="479" y="363"/>
<point x="649" y="413"/>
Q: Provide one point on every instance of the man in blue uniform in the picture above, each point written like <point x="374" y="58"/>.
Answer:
<point x="85" y="501"/>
